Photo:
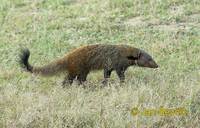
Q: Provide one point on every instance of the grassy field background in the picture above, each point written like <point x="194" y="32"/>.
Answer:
<point x="167" y="29"/>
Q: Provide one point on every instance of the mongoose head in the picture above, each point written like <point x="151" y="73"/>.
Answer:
<point x="142" y="59"/>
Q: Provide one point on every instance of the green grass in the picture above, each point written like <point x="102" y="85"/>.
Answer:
<point x="168" y="29"/>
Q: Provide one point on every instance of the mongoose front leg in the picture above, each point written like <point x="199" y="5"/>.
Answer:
<point x="107" y="74"/>
<point x="120" y="73"/>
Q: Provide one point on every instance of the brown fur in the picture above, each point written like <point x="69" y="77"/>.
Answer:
<point x="79" y="62"/>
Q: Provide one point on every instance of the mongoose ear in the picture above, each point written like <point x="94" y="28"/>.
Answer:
<point x="132" y="58"/>
<point x="135" y="57"/>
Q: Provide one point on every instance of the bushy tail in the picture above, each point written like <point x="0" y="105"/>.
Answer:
<point x="50" y="69"/>
<point x="24" y="56"/>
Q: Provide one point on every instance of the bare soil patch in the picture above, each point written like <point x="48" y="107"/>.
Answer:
<point x="186" y="23"/>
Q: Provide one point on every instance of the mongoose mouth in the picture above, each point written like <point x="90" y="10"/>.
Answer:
<point x="149" y="65"/>
<point x="153" y="66"/>
<point x="156" y="66"/>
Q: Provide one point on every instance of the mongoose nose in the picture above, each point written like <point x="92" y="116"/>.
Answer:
<point x="153" y="64"/>
<point x="156" y="66"/>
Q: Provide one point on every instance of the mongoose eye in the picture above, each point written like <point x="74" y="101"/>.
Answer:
<point x="150" y="59"/>
<point x="132" y="58"/>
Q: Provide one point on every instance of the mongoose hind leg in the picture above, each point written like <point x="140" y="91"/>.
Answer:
<point x="107" y="73"/>
<point x="68" y="80"/>
<point x="82" y="77"/>
<point x="120" y="72"/>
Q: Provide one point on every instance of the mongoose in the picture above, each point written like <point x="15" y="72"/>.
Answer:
<point x="79" y="62"/>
